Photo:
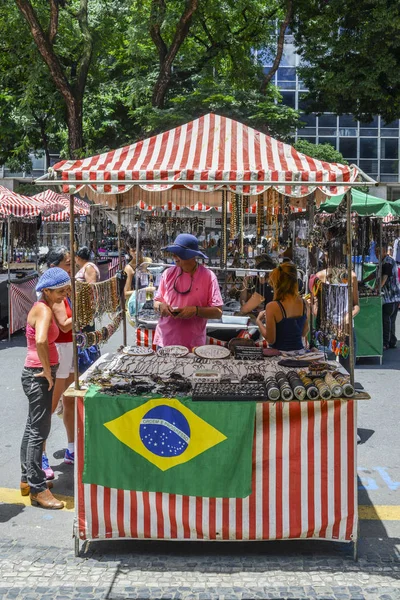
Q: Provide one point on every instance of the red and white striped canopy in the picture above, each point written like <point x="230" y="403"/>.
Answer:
<point x="81" y="207"/>
<point x="211" y="149"/>
<point x="15" y="205"/>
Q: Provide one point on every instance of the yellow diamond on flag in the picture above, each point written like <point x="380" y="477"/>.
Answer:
<point x="165" y="432"/>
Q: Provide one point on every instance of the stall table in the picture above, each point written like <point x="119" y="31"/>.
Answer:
<point x="304" y="476"/>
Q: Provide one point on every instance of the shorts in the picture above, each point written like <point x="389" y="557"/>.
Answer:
<point x="66" y="360"/>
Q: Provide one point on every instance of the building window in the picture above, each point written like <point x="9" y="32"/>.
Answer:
<point x="327" y="121"/>
<point x="389" y="166"/>
<point x="368" y="148"/>
<point x="327" y="130"/>
<point x="389" y="148"/>
<point x="289" y="99"/>
<point x="310" y="139"/>
<point x="308" y="120"/>
<point x="347" y="121"/>
<point x="369" y="166"/>
<point x="348" y="147"/>
<point x="327" y="140"/>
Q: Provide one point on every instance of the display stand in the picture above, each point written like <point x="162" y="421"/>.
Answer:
<point x="304" y="482"/>
<point x="304" y="456"/>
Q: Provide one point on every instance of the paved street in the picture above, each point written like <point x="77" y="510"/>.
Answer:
<point x="36" y="547"/>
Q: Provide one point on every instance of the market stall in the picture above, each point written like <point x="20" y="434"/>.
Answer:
<point x="19" y="217"/>
<point x="369" y="214"/>
<point x="302" y="477"/>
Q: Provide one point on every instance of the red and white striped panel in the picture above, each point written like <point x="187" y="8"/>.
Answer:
<point x="15" y="205"/>
<point x="113" y="266"/>
<point x="145" y="337"/>
<point x="22" y="298"/>
<point x="303" y="486"/>
<point x="211" y="148"/>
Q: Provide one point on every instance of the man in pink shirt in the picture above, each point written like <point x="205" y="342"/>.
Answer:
<point x="188" y="295"/>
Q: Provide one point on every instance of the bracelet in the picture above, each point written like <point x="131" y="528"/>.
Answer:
<point x="197" y="311"/>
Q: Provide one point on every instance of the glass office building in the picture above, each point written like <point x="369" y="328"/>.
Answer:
<point x="373" y="146"/>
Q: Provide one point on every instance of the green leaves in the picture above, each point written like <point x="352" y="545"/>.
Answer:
<point x="351" y="54"/>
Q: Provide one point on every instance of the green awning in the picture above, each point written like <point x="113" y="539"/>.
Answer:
<point x="364" y="205"/>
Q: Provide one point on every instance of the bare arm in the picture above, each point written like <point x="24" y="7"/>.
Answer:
<point x="129" y="278"/>
<point x="64" y="322"/>
<point x="42" y="320"/>
<point x="356" y="301"/>
<point x="90" y="274"/>
<point x="268" y="330"/>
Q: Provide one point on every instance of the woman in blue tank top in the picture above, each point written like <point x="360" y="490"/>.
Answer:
<point x="284" y="322"/>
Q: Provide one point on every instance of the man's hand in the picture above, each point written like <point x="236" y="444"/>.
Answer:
<point x="164" y="310"/>
<point x="186" y="313"/>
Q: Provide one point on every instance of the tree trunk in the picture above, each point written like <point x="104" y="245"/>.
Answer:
<point x="166" y="54"/>
<point x="280" y="44"/>
<point x="75" y="128"/>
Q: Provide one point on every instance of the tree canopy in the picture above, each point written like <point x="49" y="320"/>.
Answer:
<point x="324" y="152"/>
<point x="351" y="56"/>
<point x="83" y="76"/>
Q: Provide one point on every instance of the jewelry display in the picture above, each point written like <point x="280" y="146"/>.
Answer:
<point x="297" y="385"/>
<point x="311" y="388"/>
<point x="273" y="391"/>
<point x="334" y="386"/>
<point x="348" y="389"/>
<point x="284" y="386"/>
<point x="323" y="389"/>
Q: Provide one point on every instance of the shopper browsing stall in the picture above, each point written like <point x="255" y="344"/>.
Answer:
<point x="263" y="292"/>
<point x="38" y="377"/>
<point x="88" y="271"/>
<point x="135" y="268"/>
<point x="62" y="312"/>
<point x="284" y="322"/>
<point x="188" y="295"/>
<point x="391" y="295"/>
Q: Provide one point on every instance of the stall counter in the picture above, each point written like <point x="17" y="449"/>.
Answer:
<point x="303" y="475"/>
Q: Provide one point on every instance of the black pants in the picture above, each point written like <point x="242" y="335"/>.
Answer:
<point x="389" y="314"/>
<point x="37" y="426"/>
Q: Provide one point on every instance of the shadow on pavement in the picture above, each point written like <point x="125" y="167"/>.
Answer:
<point x="18" y="340"/>
<point x="365" y="434"/>
<point x="10" y="511"/>
<point x="390" y="360"/>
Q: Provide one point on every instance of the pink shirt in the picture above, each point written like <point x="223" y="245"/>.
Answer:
<point x="32" y="358"/>
<point x="204" y="292"/>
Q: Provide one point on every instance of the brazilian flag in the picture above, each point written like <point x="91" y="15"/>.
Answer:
<point x="154" y="444"/>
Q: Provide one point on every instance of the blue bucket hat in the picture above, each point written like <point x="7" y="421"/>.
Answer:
<point x="52" y="279"/>
<point x="185" y="246"/>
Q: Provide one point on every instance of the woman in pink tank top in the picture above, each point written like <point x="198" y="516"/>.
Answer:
<point x="38" y="378"/>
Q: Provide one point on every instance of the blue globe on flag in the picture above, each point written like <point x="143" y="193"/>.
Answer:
<point x="165" y="431"/>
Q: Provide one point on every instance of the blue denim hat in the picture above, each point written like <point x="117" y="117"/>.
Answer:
<point x="185" y="246"/>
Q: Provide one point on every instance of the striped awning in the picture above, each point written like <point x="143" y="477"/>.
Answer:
<point x="205" y="155"/>
<point x="81" y="208"/>
<point x="15" y="205"/>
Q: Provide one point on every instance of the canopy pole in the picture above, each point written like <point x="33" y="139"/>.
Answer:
<point x="9" y="274"/>
<point x="380" y="259"/>
<point x="122" y="294"/>
<point x="137" y="275"/>
<point x="73" y="287"/>
<point x="350" y="284"/>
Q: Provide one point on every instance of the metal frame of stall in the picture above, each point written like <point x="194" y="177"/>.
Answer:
<point x="77" y="392"/>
